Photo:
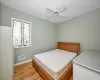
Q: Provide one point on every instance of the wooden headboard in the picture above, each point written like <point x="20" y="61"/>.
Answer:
<point x="69" y="46"/>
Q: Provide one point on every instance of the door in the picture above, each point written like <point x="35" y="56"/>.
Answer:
<point x="6" y="53"/>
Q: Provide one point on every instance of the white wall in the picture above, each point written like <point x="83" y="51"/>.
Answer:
<point x="84" y="29"/>
<point x="0" y="40"/>
<point x="6" y="53"/>
<point x="0" y="13"/>
<point x="43" y="32"/>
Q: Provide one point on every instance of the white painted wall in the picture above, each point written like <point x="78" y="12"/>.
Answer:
<point x="6" y="53"/>
<point x="0" y="13"/>
<point x="0" y="40"/>
<point x="43" y="32"/>
<point x="84" y="29"/>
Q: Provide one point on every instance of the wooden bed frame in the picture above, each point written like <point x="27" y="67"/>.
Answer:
<point x="68" y="46"/>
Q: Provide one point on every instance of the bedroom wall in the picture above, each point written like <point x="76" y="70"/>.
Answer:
<point x="43" y="32"/>
<point x="0" y="47"/>
<point x="0" y="13"/>
<point x="84" y="29"/>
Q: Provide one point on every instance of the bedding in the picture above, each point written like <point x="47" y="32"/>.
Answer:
<point x="55" y="62"/>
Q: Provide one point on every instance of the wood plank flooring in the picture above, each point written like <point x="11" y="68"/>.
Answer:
<point x="27" y="72"/>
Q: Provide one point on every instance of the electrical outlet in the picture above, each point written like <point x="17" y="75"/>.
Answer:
<point x="22" y="57"/>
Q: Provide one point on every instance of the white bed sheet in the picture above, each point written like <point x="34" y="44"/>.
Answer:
<point x="55" y="62"/>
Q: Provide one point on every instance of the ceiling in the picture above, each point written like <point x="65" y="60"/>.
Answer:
<point x="38" y="7"/>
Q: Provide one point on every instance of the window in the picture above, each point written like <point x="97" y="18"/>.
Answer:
<point x="21" y="33"/>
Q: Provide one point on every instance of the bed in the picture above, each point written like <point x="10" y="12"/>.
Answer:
<point x="56" y="64"/>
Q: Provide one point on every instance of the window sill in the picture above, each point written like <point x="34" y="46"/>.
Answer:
<point x="23" y="46"/>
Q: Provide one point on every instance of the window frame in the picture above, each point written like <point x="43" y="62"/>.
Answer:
<point x="22" y="35"/>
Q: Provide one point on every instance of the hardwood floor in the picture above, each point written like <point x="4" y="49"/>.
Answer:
<point x="27" y="72"/>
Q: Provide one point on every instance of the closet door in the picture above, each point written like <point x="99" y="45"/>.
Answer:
<point x="6" y="53"/>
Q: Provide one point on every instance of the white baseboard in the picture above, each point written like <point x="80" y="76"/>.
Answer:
<point x="22" y="62"/>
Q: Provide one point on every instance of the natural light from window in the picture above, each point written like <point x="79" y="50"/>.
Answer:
<point x="21" y="33"/>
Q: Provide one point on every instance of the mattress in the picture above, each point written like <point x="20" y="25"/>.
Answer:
<point x="55" y="62"/>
